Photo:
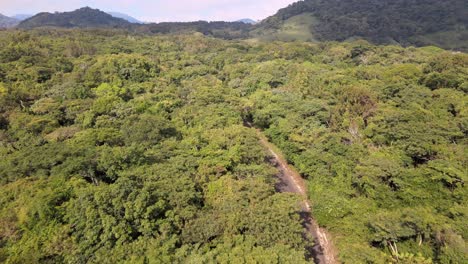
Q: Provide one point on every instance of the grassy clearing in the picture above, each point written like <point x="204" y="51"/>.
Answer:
<point x="454" y="39"/>
<point x="296" y="28"/>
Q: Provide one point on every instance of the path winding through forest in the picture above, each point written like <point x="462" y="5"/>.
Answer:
<point x="291" y="181"/>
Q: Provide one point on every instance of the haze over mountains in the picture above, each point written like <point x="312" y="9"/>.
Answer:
<point x="247" y="21"/>
<point x="420" y="23"/>
<point x="22" y="17"/>
<point x="6" y="22"/>
<point x="126" y="17"/>
<point x="16" y="19"/>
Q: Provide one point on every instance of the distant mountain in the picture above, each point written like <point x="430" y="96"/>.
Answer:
<point x="7" y="22"/>
<point x="126" y="17"/>
<point x="82" y="18"/>
<point x="415" y="22"/>
<point x="247" y="21"/>
<point x="22" y="17"/>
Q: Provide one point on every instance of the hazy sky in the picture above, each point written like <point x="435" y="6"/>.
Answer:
<point x="156" y="10"/>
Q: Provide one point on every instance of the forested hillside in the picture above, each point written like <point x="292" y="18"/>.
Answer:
<point x="416" y="22"/>
<point x="81" y="18"/>
<point x="127" y="148"/>
<point x="89" y="18"/>
<point x="408" y="23"/>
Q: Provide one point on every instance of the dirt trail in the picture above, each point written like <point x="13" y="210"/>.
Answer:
<point x="291" y="181"/>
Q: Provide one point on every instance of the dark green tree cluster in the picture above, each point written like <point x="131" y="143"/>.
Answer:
<point x="85" y="17"/>
<point x="120" y="148"/>
<point x="416" y="22"/>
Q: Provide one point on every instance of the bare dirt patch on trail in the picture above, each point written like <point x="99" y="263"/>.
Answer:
<point x="290" y="181"/>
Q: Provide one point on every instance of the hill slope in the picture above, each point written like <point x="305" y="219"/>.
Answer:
<point x="22" y="17"/>
<point x="417" y="22"/>
<point x="125" y="17"/>
<point x="82" y="18"/>
<point x="6" y="22"/>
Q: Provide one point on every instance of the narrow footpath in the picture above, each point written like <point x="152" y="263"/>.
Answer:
<point x="291" y="181"/>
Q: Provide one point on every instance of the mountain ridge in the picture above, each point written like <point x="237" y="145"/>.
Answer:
<point x="22" y="17"/>
<point x="125" y="17"/>
<point x="94" y="18"/>
<point x="8" y="22"/>
<point x="417" y="23"/>
<point x="247" y="21"/>
<point x="85" y="17"/>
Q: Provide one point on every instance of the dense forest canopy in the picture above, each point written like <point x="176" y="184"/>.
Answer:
<point x="128" y="148"/>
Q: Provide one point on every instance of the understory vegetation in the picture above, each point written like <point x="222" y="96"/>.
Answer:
<point x="122" y="148"/>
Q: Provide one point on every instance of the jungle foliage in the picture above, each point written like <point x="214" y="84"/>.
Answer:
<point x="120" y="148"/>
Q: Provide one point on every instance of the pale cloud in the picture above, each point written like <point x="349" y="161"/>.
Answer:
<point x="157" y="10"/>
